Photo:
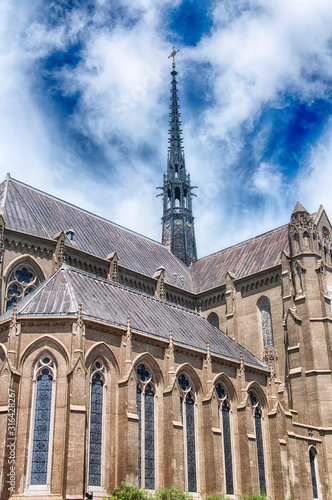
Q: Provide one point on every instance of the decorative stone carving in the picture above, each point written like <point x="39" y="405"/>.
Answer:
<point x="301" y="230"/>
<point x="113" y="272"/>
<point x="58" y="256"/>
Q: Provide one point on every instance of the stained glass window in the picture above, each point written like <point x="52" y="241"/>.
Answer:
<point x="259" y="441"/>
<point x="187" y="409"/>
<point x="146" y="415"/>
<point x="96" y="424"/>
<point x="42" y="421"/>
<point x="21" y="281"/>
<point x="312" y="457"/>
<point x="191" y="454"/>
<point x="266" y="320"/>
<point x="149" y="438"/>
<point x="227" y="441"/>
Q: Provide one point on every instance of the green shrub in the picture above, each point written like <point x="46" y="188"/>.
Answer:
<point x="129" y="492"/>
<point x="217" y="497"/>
<point x="172" y="494"/>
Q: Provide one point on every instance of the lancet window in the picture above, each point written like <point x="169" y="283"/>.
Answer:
<point x="187" y="408"/>
<point x="213" y="319"/>
<point x="42" y="423"/>
<point x="257" y="413"/>
<point x="96" y="423"/>
<point x="21" y="281"/>
<point x="145" y="399"/>
<point x="224" y="416"/>
<point x="312" y="458"/>
<point x="266" y="320"/>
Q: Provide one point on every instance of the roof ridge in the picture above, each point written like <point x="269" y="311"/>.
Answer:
<point x="253" y="238"/>
<point x="88" y="212"/>
<point x="3" y="199"/>
<point x="29" y="209"/>
<point x="70" y="287"/>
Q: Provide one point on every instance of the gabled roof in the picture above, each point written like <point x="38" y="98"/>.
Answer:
<point x="29" y="210"/>
<point x="110" y="302"/>
<point x="248" y="257"/>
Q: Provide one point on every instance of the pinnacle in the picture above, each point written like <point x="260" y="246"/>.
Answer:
<point x="299" y="208"/>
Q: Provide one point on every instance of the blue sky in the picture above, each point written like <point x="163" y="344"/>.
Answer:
<point x="84" y="96"/>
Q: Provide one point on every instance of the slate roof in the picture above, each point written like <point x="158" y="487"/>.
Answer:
<point x="29" y="210"/>
<point x="111" y="302"/>
<point x="243" y="259"/>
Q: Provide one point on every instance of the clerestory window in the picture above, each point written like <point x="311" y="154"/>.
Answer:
<point x="266" y="321"/>
<point x="22" y="280"/>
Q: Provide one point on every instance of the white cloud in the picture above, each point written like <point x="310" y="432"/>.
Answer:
<point x="267" y="180"/>
<point x="257" y="53"/>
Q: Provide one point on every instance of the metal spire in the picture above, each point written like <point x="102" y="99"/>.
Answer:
<point x="178" y="221"/>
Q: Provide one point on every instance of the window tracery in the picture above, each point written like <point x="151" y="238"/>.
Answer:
<point x="145" y="400"/>
<point x="42" y="418"/>
<point x="21" y="281"/>
<point x="257" y="413"/>
<point x="187" y="409"/>
<point x="96" y="423"/>
<point x="224" y="417"/>
<point x="266" y="321"/>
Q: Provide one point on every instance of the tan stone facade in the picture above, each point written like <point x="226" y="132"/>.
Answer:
<point x="281" y="314"/>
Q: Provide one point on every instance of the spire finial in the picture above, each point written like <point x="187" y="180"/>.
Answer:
<point x="173" y="54"/>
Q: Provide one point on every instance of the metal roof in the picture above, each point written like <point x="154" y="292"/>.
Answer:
<point x="29" y="210"/>
<point x="113" y="303"/>
<point x="243" y="259"/>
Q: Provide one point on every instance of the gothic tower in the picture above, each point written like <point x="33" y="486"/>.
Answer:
<point x="177" y="222"/>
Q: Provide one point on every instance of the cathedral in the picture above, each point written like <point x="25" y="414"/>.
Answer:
<point x="126" y="359"/>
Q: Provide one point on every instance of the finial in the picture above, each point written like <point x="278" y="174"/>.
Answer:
<point x="208" y="352"/>
<point x="14" y="316"/>
<point x="242" y="368"/>
<point x="79" y="316"/>
<point x="173" y="54"/>
<point x="128" y="327"/>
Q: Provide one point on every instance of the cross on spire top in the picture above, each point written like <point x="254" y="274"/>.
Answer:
<point x="173" y="54"/>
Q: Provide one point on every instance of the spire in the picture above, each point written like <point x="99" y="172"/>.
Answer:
<point x="299" y="208"/>
<point x="177" y="221"/>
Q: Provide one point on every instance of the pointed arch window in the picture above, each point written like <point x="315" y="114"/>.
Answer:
<point x="187" y="408"/>
<point x="266" y="321"/>
<point x="145" y="399"/>
<point x="96" y="423"/>
<point x="257" y="413"/>
<point x="42" y="422"/>
<point x="224" y="416"/>
<point x="21" y="281"/>
<point x="312" y="458"/>
<point x="213" y="319"/>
